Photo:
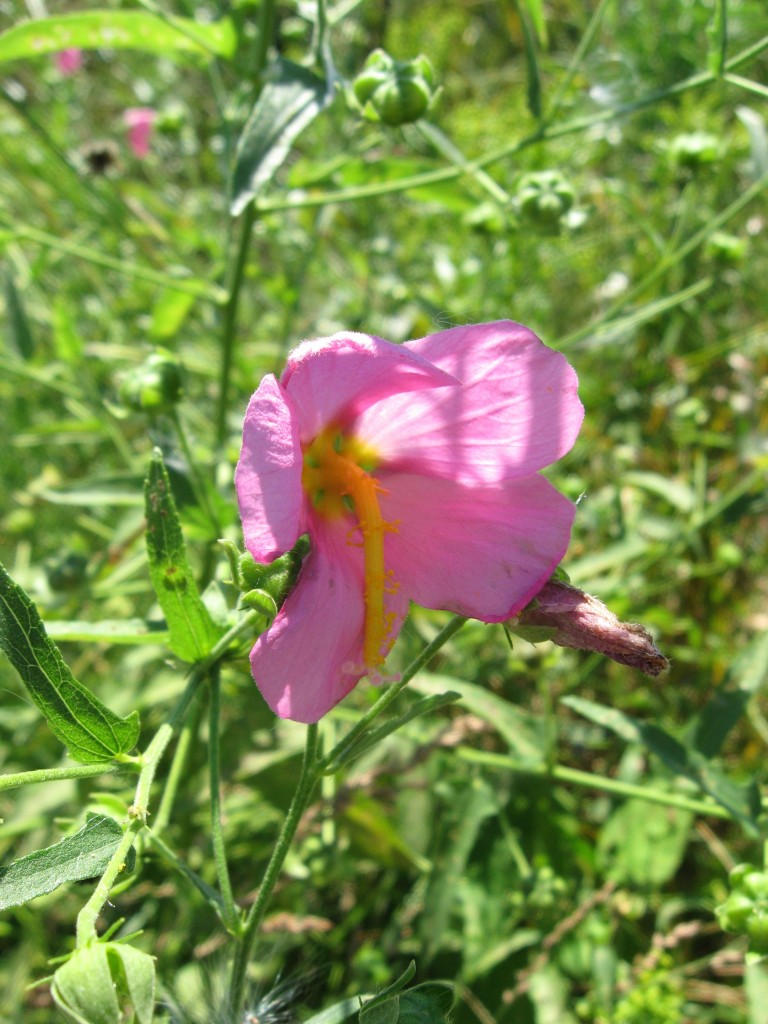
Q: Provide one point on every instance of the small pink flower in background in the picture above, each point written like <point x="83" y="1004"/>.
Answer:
<point x="139" y="121"/>
<point x="69" y="61"/>
<point x="414" y="470"/>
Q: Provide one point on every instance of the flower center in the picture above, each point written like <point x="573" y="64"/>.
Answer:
<point x="337" y="478"/>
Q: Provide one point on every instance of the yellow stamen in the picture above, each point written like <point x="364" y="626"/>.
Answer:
<point x="333" y="475"/>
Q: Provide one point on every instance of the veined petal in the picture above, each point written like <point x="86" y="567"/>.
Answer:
<point x="332" y="379"/>
<point x="312" y="655"/>
<point x="481" y="551"/>
<point x="268" y="474"/>
<point x="516" y="411"/>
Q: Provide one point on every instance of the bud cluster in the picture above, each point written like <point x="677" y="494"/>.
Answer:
<point x="393" y="91"/>
<point x="745" y="911"/>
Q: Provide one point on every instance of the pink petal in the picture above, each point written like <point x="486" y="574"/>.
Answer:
<point x="69" y="61"/>
<point x="139" y="121"/>
<point x="268" y="475"/>
<point x="332" y="379"/>
<point x="477" y="551"/>
<point x="312" y="655"/>
<point x="516" y="411"/>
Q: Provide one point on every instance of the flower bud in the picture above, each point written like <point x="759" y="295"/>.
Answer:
<point x="543" y="198"/>
<point x="100" y="983"/>
<point x="267" y="584"/>
<point x="153" y="387"/>
<point x="745" y="911"/>
<point x="68" y="573"/>
<point x="692" y="150"/>
<point x="575" y="619"/>
<point x="394" y="91"/>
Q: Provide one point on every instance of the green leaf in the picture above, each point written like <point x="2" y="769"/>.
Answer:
<point x="758" y="141"/>
<point x="20" y="334"/>
<point x="523" y="732"/>
<point x="169" y="313"/>
<point x="192" y="631"/>
<point x="83" y="855"/>
<point x="429" y="1003"/>
<point x="91" y="732"/>
<point x="173" y="37"/>
<point x="292" y="98"/>
<point x="388" y="993"/>
<point x="643" y="844"/>
<point x="742" y="801"/>
<point x="525" y="9"/>
<point x="338" y="1012"/>
<point x="66" y="339"/>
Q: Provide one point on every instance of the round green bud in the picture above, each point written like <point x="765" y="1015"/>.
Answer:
<point x="732" y="916"/>
<point x="153" y="387"/>
<point x="394" y="92"/>
<point x="68" y="573"/>
<point x="757" y="930"/>
<point x="694" y="149"/>
<point x="543" y="198"/>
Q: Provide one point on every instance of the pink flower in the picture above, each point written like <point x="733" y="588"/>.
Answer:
<point x="413" y="468"/>
<point x="139" y="121"/>
<point x="69" y="61"/>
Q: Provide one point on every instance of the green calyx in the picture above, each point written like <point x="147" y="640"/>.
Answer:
<point x="394" y="92"/>
<point x="155" y="386"/>
<point x="265" y="586"/>
<point x="543" y="198"/>
<point x="745" y="911"/>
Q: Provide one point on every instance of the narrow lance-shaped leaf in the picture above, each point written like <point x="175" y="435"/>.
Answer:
<point x="192" y="631"/>
<point x="91" y="732"/>
<point x="180" y="38"/>
<point x="83" y="855"/>
<point x="288" y="103"/>
<point x="20" y="333"/>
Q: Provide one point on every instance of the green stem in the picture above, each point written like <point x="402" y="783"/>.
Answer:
<point x="579" y="778"/>
<point x="230" y="915"/>
<point x="330" y="763"/>
<point x="310" y="773"/>
<point x="229" y="324"/>
<point x="86" y="919"/>
<point x="264" y="33"/>
<point x="84" y="771"/>
<point x="199" y="289"/>
<point x="202" y="669"/>
<point x="178" y="769"/>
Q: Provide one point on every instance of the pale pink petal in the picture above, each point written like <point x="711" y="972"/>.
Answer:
<point x="139" y="121"/>
<point x="516" y="411"/>
<point x="480" y="551"/>
<point x="332" y="379"/>
<point x="268" y="475"/>
<point x="312" y="655"/>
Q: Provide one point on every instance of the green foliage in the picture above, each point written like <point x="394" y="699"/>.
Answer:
<point x="91" y="732"/>
<point x="192" y="632"/>
<point x="82" y="855"/>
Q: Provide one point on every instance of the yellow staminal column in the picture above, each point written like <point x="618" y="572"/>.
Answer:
<point x="332" y="476"/>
